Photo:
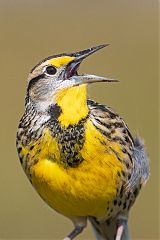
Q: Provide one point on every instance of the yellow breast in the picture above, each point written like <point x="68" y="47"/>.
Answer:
<point x="85" y="190"/>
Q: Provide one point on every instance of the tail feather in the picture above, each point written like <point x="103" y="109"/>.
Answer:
<point x="141" y="169"/>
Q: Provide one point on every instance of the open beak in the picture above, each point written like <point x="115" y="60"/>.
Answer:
<point x="72" y="67"/>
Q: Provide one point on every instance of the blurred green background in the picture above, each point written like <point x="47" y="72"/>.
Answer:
<point x="32" y="30"/>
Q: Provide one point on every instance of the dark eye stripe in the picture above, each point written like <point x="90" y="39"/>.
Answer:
<point x="33" y="81"/>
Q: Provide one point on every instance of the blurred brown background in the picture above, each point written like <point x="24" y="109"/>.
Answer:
<point x="31" y="30"/>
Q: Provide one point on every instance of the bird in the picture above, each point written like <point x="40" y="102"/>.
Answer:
<point x="79" y="155"/>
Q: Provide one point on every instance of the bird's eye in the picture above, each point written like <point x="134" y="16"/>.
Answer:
<point x="51" y="70"/>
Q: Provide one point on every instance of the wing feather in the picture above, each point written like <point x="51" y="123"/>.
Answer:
<point x="115" y="129"/>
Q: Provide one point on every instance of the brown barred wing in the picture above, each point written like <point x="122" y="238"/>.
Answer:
<point x="115" y="129"/>
<point x="111" y="125"/>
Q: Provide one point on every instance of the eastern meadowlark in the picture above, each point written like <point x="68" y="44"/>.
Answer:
<point x="78" y="154"/>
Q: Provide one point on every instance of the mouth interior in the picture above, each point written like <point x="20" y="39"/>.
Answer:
<point x="72" y="69"/>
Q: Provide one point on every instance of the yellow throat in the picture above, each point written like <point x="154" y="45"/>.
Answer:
<point x="73" y="103"/>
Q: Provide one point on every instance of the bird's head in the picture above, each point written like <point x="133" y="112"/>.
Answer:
<point x="57" y="74"/>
